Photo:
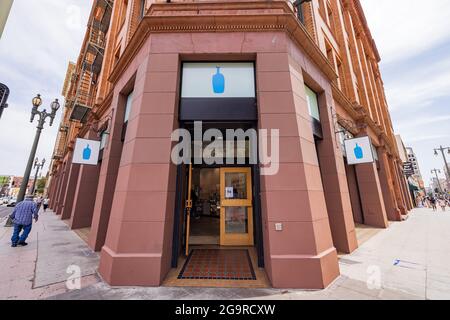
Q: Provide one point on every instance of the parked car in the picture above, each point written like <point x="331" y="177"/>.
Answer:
<point x="4" y="200"/>
<point x="12" y="202"/>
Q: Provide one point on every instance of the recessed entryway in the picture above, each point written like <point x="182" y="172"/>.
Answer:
<point x="217" y="264"/>
<point x="221" y="257"/>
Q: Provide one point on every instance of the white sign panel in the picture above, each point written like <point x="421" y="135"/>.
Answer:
<point x="229" y="192"/>
<point x="218" y="80"/>
<point x="86" y="152"/>
<point x="359" y="150"/>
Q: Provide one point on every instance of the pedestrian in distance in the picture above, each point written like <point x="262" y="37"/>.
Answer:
<point x="433" y="203"/>
<point x="45" y="204"/>
<point x="22" y="218"/>
<point x="442" y="204"/>
<point x="39" y="203"/>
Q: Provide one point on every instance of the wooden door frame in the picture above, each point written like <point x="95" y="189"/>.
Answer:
<point x="237" y="239"/>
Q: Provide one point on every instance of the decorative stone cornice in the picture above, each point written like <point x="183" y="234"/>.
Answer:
<point x="222" y="17"/>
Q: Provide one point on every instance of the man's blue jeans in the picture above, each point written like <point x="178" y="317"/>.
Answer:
<point x="16" y="237"/>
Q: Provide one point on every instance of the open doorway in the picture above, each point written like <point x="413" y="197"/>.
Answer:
<point x="221" y="207"/>
<point x="205" y="222"/>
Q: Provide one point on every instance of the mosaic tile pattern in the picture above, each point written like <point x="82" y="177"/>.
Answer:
<point x="218" y="264"/>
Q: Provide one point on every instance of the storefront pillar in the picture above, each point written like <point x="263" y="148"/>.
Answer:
<point x="85" y="192"/>
<point x="140" y="230"/>
<point x="334" y="181"/>
<point x="396" y="185"/>
<point x="72" y="181"/>
<point x="401" y="196"/>
<point x="404" y="188"/>
<point x="302" y="254"/>
<point x="52" y="192"/>
<point x="392" y="211"/>
<point x="65" y="180"/>
<point x="58" y="202"/>
<point x="371" y="194"/>
<point x="108" y="176"/>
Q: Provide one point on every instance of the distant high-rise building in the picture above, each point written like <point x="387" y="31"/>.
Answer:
<point x="5" y="7"/>
<point x="413" y="159"/>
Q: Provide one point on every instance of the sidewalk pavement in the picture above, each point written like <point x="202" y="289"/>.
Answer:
<point x="410" y="260"/>
<point x="39" y="270"/>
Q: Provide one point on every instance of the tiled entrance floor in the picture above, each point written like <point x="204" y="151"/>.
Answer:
<point x="364" y="233"/>
<point x="225" y="263"/>
<point x="218" y="264"/>
<point x="83" y="233"/>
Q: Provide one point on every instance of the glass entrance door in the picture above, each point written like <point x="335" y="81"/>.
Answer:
<point x="236" y="211"/>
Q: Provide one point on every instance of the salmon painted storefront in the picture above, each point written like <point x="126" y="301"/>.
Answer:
<point x="310" y="72"/>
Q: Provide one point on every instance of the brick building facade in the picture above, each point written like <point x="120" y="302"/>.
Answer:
<point x="126" y="91"/>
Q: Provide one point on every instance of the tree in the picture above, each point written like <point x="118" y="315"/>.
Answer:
<point x="40" y="185"/>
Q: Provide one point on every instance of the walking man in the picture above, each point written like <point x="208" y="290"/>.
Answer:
<point x="22" y="217"/>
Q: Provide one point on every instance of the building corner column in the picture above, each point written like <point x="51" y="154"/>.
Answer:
<point x="140" y="229"/>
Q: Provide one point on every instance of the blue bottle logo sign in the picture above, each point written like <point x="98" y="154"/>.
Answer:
<point x="359" y="154"/>
<point x="218" y="82"/>
<point x="87" y="153"/>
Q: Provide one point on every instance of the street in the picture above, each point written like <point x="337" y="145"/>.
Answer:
<point x="407" y="261"/>
<point x="5" y="211"/>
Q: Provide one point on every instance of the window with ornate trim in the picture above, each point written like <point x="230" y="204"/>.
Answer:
<point x="313" y="103"/>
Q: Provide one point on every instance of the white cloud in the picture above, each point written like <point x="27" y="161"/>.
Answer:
<point x="412" y="36"/>
<point x="419" y="86"/>
<point x="40" y="38"/>
<point x="421" y="138"/>
<point x="405" y="28"/>
<point x="433" y="119"/>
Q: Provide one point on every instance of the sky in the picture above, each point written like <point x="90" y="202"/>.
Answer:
<point x="42" y="36"/>
<point x="413" y="38"/>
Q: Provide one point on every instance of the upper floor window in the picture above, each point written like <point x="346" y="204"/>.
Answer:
<point x="128" y="107"/>
<point x="103" y="142"/>
<point x="103" y="139"/>
<point x="330" y="20"/>
<point x="322" y="9"/>
<point x="123" y="12"/>
<point x="143" y="8"/>
<point x="127" y="114"/>
<point x="313" y="103"/>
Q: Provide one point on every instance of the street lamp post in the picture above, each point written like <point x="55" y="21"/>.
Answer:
<point x="436" y="171"/>
<point x="43" y="115"/>
<point x="442" y="149"/>
<point x="4" y="93"/>
<point x="38" y="166"/>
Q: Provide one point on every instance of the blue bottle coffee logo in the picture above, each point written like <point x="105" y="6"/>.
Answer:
<point x="359" y="154"/>
<point x="218" y="82"/>
<point x="87" y="153"/>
